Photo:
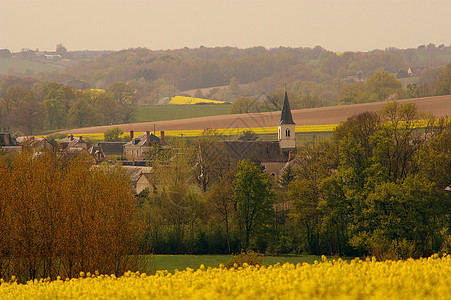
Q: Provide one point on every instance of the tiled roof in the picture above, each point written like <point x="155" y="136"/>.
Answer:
<point x="265" y="151"/>
<point x="112" y="148"/>
<point x="142" y="140"/>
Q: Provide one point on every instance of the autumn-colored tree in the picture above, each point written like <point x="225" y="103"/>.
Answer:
<point x="60" y="218"/>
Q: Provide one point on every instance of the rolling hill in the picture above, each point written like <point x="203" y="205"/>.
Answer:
<point x="440" y="106"/>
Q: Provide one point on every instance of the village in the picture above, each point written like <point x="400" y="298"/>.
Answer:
<point x="131" y="155"/>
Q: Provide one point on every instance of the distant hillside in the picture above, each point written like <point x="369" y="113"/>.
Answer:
<point x="11" y="66"/>
<point x="227" y="73"/>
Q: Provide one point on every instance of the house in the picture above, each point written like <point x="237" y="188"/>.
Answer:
<point x="138" y="177"/>
<point x="69" y="154"/>
<point x="274" y="155"/>
<point x="137" y="147"/>
<point x="97" y="153"/>
<point x="70" y="142"/>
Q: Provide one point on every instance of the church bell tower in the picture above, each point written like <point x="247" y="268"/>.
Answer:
<point x="286" y="127"/>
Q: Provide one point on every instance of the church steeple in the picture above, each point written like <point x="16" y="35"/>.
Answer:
<point x="286" y="130"/>
<point x="285" y="117"/>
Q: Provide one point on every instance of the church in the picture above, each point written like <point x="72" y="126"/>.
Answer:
<point x="273" y="154"/>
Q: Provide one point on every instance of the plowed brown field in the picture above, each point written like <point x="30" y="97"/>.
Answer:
<point x="440" y="106"/>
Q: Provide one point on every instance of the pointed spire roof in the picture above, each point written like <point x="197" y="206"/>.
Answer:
<point x="285" y="117"/>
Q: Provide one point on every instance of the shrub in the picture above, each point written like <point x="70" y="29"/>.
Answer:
<point x="251" y="258"/>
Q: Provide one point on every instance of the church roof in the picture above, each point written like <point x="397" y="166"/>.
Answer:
<point x="285" y="117"/>
<point x="265" y="151"/>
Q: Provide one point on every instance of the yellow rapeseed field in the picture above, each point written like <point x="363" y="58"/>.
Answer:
<point x="179" y="100"/>
<point x="427" y="278"/>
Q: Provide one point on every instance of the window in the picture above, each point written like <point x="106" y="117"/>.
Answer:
<point x="287" y="132"/>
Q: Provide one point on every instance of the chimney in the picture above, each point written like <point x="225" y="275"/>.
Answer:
<point x="71" y="137"/>
<point x="131" y="135"/>
<point x="162" y="137"/>
<point x="148" y="137"/>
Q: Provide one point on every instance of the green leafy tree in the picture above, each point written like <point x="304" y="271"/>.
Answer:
<point x="220" y="201"/>
<point x="396" y="142"/>
<point x="243" y="105"/>
<point x="382" y="85"/>
<point x="26" y="114"/>
<point x="248" y="135"/>
<point x="412" y="90"/>
<point x="56" y="113"/>
<point x="82" y="114"/>
<point x="124" y="96"/>
<point x="352" y="93"/>
<point x="444" y="81"/>
<point x="254" y="199"/>
<point x="113" y="134"/>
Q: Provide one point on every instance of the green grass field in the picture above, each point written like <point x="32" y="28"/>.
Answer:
<point x="23" y="66"/>
<point x="181" y="262"/>
<point x="151" y="113"/>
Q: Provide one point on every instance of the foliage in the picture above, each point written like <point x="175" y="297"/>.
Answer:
<point x="210" y="159"/>
<point x="254" y="200"/>
<point x="249" y="258"/>
<point x="69" y="218"/>
<point x="329" y="279"/>
<point x="379" y="87"/>
<point x="247" y="135"/>
<point x="378" y="187"/>
<point x="244" y="105"/>
<point x="113" y="134"/>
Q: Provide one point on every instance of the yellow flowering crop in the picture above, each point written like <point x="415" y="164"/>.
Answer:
<point x="178" y="100"/>
<point x="427" y="278"/>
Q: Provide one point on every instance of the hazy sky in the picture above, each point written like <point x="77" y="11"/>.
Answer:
<point x="336" y="25"/>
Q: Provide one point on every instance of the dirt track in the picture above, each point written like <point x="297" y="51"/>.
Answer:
<point x="439" y="106"/>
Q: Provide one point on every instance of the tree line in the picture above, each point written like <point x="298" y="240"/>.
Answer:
<point x="379" y="187"/>
<point x="31" y="106"/>
<point x="316" y="71"/>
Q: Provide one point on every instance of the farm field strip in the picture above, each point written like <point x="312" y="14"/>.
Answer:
<point x="238" y="131"/>
<point x="426" y="278"/>
<point x="227" y="131"/>
<point x="182" y="100"/>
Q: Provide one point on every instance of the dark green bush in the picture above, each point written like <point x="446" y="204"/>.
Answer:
<point x="251" y="258"/>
